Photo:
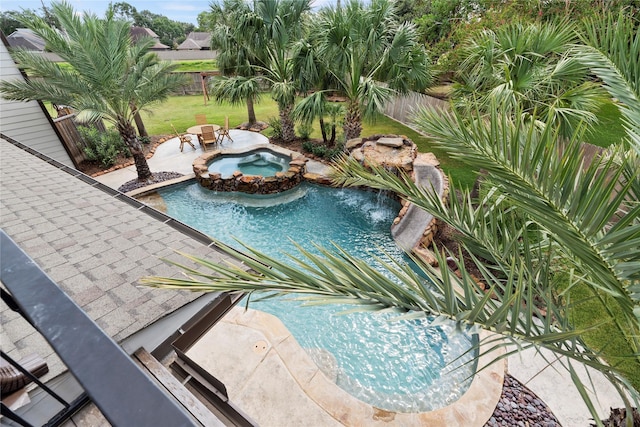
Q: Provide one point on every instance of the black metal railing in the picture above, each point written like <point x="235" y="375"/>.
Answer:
<point x="68" y="407"/>
<point x="110" y="378"/>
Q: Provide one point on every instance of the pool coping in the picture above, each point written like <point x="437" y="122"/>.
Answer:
<point x="473" y="408"/>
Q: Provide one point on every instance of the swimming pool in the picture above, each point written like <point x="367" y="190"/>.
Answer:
<point x="402" y="366"/>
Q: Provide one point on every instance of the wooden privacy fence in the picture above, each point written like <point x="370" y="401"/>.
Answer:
<point x="197" y="83"/>
<point x="402" y="107"/>
<point x="71" y="138"/>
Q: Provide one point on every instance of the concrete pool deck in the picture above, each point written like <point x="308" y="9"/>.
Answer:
<point x="168" y="157"/>
<point x="269" y="371"/>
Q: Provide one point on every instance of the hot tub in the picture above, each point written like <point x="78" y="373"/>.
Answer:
<point x="261" y="171"/>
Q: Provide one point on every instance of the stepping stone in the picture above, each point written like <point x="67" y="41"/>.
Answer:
<point x="390" y="142"/>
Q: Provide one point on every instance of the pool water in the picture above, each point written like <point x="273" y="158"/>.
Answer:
<point x="260" y="162"/>
<point x="396" y="365"/>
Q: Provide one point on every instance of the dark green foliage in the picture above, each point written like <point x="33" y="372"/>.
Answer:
<point x="10" y="20"/>
<point x="304" y="130"/>
<point x="103" y="147"/>
<point x="322" y="150"/>
<point x="170" y="32"/>
<point x="276" y="128"/>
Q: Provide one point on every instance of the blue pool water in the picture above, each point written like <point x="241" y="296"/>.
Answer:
<point x="399" y="365"/>
<point x="259" y="162"/>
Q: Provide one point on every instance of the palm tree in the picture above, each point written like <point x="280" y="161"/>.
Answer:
<point x="543" y="217"/>
<point x="236" y="59"/>
<point x="364" y="47"/>
<point x="255" y="44"/>
<point x="237" y="90"/>
<point x="317" y="106"/>
<point x="280" y="24"/>
<point x="529" y="67"/>
<point x="108" y="76"/>
<point x="609" y="54"/>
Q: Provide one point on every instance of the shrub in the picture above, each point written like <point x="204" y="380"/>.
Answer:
<point x="276" y="128"/>
<point x="103" y="147"/>
<point x="322" y="150"/>
<point x="304" y="130"/>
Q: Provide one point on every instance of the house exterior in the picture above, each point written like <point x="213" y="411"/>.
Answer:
<point x="196" y="41"/>
<point x="28" y="122"/>
<point x="139" y="32"/>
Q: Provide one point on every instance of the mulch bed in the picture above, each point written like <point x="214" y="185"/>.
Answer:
<point x="95" y="169"/>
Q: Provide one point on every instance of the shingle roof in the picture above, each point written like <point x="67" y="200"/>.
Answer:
<point x="24" y="38"/>
<point x="95" y="246"/>
<point x="196" y="40"/>
<point x="138" y="32"/>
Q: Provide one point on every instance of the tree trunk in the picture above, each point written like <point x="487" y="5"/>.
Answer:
<point x="251" y="113"/>
<point x="142" y="131"/>
<point x="323" y="130"/>
<point x="332" y="141"/>
<point x="128" y="134"/>
<point x="288" y="127"/>
<point x="352" y="121"/>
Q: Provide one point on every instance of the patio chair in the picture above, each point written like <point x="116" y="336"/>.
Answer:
<point x="11" y="379"/>
<point x="185" y="138"/>
<point x="208" y="136"/>
<point x="201" y="119"/>
<point x="224" y="131"/>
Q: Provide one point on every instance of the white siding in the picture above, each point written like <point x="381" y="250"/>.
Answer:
<point x="25" y="121"/>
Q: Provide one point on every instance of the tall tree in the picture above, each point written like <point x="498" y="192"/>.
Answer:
<point x="279" y="25"/>
<point x="255" y="43"/>
<point x="169" y="31"/>
<point x="108" y="76"/>
<point x="364" y="46"/>
<point x="236" y="59"/>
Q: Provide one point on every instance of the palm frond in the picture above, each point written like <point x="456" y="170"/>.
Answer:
<point x="612" y="52"/>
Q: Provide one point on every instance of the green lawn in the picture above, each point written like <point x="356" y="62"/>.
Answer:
<point x="588" y="312"/>
<point x="609" y="129"/>
<point x="196" y="65"/>
<point x="180" y="111"/>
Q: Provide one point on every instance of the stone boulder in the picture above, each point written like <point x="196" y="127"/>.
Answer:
<point x="390" y="151"/>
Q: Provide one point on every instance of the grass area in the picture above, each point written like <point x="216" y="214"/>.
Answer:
<point x="181" y="111"/>
<point x="588" y="312"/>
<point x="609" y="129"/>
<point x="196" y="65"/>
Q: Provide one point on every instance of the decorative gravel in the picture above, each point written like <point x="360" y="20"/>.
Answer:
<point x="156" y="177"/>
<point x="518" y="406"/>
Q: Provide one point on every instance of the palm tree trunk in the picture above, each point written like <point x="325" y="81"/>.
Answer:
<point x="251" y="112"/>
<point x="128" y="134"/>
<point x="142" y="130"/>
<point x="323" y="130"/>
<point x="332" y="141"/>
<point x="288" y="127"/>
<point x="352" y="121"/>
